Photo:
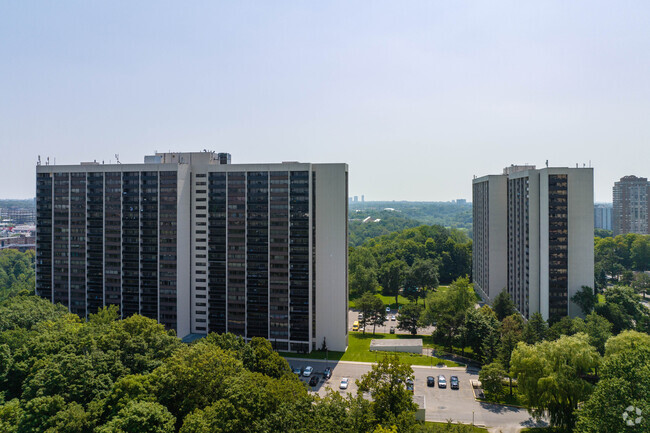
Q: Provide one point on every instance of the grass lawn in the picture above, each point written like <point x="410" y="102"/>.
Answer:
<point x="359" y="350"/>
<point x="601" y="298"/>
<point x="541" y="430"/>
<point x="472" y="428"/>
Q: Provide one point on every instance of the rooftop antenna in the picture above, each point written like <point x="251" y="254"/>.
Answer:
<point x="547" y="163"/>
<point x="39" y="160"/>
<point x="117" y="158"/>
<point x="48" y="161"/>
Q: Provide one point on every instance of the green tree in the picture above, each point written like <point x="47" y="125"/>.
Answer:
<point x="641" y="283"/>
<point x="586" y="299"/>
<point x="409" y="318"/>
<point x="481" y="326"/>
<point x="597" y="328"/>
<point x="491" y="377"/>
<point x="624" y="382"/>
<point x="141" y="417"/>
<point x="640" y="253"/>
<point x="368" y="306"/>
<point x="391" y="277"/>
<point x="503" y="305"/>
<point x="551" y="376"/>
<point x="39" y="413"/>
<point x="386" y="385"/>
<point x="194" y="377"/>
<point x="512" y="330"/>
<point x="422" y="277"/>
<point x="446" y="310"/>
<point x="10" y="415"/>
<point x="535" y="329"/>
<point x="625" y="342"/>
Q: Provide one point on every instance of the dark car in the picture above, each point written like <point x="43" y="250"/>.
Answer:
<point x="313" y="381"/>
<point x="392" y="329"/>
<point x="431" y="381"/>
<point x="297" y="371"/>
<point x="327" y="373"/>
<point x="453" y="382"/>
<point x="409" y="385"/>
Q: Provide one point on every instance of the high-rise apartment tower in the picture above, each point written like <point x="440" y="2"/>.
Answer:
<point x="631" y="206"/>
<point x="200" y="244"/>
<point x="533" y="236"/>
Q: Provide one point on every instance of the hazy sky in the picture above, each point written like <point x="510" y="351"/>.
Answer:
<point x="416" y="96"/>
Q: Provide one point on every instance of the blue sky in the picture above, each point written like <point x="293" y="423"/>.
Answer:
<point x="417" y="97"/>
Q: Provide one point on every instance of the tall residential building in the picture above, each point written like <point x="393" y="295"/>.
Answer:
<point x="200" y="244"/>
<point x="603" y="216"/>
<point x="533" y="235"/>
<point x="631" y="206"/>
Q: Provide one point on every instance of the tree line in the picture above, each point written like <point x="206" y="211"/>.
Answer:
<point x="106" y="375"/>
<point x="616" y="258"/>
<point x="416" y="260"/>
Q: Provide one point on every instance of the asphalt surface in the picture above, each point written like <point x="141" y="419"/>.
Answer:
<point x="441" y="404"/>
<point x="385" y="329"/>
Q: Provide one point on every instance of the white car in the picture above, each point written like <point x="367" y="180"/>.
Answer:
<point x="308" y="371"/>
<point x="392" y="317"/>
<point x="344" y="383"/>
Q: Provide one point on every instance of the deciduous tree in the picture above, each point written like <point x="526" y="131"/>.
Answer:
<point x="551" y="376"/>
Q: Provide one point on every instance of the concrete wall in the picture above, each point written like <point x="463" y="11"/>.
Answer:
<point x="183" y="265"/>
<point x="498" y="234"/>
<point x="331" y="220"/>
<point x="581" y="233"/>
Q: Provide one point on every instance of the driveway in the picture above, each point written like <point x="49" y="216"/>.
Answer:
<point x="441" y="404"/>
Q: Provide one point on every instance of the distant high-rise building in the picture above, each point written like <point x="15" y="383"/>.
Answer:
<point x="603" y="216"/>
<point x="461" y="201"/>
<point x="631" y="207"/>
<point x="533" y="235"/>
<point x="356" y="198"/>
<point x="363" y="199"/>
<point x="200" y="244"/>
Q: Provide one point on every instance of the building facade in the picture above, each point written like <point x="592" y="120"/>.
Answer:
<point x="540" y="224"/>
<point x="201" y="245"/>
<point x="603" y="216"/>
<point x="631" y="207"/>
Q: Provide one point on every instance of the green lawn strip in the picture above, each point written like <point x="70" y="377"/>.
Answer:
<point x="359" y="350"/>
<point x="505" y="397"/>
<point x="472" y="428"/>
<point x="541" y="430"/>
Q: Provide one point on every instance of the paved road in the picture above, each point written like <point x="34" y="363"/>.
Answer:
<point x="441" y="404"/>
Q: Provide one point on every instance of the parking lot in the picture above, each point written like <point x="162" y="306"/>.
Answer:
<point x="441" y="404"/>
<point x="385" y="329"/>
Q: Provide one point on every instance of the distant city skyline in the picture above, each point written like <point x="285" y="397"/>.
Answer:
<point x="416" y="98"/>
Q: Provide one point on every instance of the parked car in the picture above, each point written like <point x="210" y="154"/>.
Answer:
<point x="453" y="382"/>
<point x="360" y="316"/>
<point x="308" y="371"/>
<point x="392" y="317"/>
<point x="344" y="383"/>
<point x="442" y="382"/>
<point x="313" y="381"/>
<point x="297" y="370"/>
<point x="327" y="373"/>
<point x="392" y="329"/>
<point x="409" y="385"/>
<point x="431" y="381"/>
<point x="388" y="309"/>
